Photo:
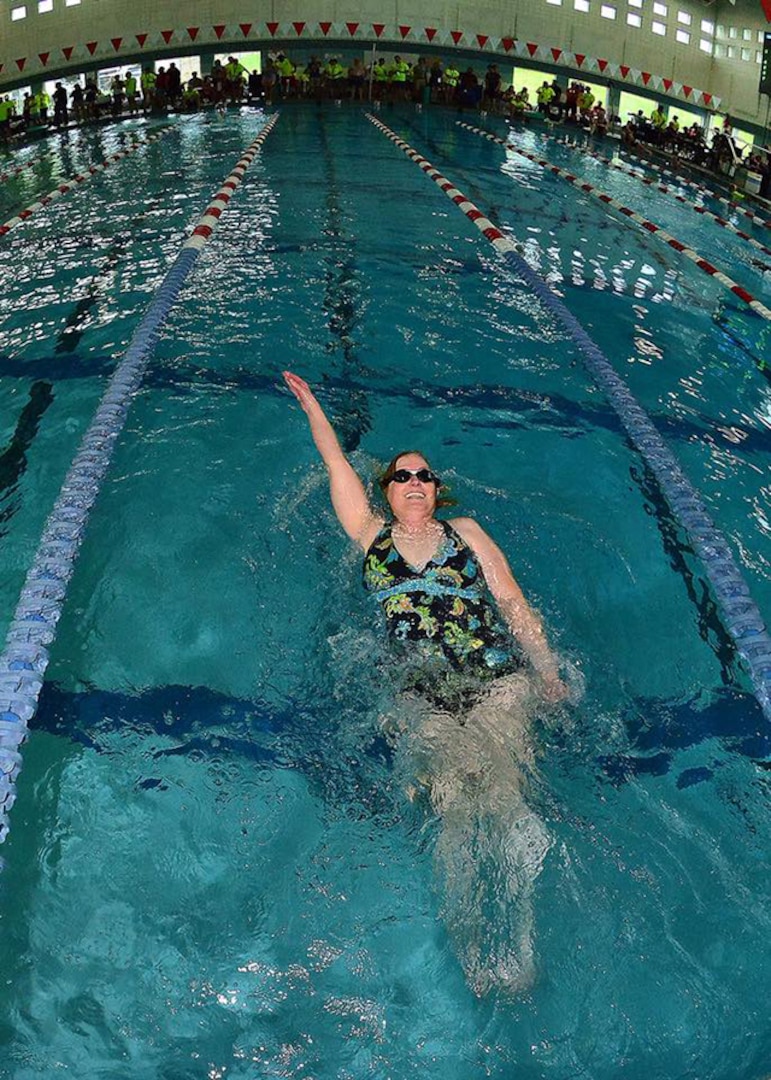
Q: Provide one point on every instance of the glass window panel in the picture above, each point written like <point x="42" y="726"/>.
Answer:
<point x="684" y="18"/>
<point x="659" y="28"/>
<point x="683" y="37"/>
<point x="608" y="11"/>
<point x="633" y="20"/>
<point x="18" y="13"/>
<point x="705" y="45"/>
<point x="707" y="27"/>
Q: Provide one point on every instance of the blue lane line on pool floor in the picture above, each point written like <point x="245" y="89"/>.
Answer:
<point x="740" y="614"/>
<point x="25" y="658"/>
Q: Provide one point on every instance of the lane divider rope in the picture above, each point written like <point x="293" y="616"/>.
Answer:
<point x="666" y="190"/>
<point x="655" y="230"/>
<point x="80" y="178"/>
<point x="12" y="173"/>
<point x="33" y="628"/>
<point x="647" y="163"/>
<point x="740" y="614"/>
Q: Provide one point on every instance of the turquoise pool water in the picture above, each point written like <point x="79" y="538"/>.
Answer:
<point x="214" y="869"/>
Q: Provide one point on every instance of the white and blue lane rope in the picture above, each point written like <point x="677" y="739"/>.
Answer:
<point x="740" y="614"/>
<point x="26" y="654"/>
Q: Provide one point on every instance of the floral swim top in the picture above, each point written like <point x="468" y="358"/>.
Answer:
<point x="445" y="606"/>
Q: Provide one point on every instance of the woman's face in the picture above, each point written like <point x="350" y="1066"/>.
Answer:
<point x="415" y="498"/>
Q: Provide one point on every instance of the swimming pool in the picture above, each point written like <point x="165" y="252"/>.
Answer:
<point x="213" y="868"/>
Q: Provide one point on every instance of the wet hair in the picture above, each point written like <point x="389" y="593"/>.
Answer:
<point x="385" y="477"/>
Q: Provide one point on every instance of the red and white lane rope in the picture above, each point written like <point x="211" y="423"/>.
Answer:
<point x="650" y="182"/>
<point x="655" y="230"/>
<point x="707" y="192"/>
<point x="472" y="212"/>
<point x="12" y="173"/>
<point x="75" y="181"/>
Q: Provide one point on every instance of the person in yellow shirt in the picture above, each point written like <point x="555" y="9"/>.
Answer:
<point x="398" y="76"/>
<point x="450" y="81"/>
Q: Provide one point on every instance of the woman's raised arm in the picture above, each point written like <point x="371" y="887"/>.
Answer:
<point x="349" y="498"/>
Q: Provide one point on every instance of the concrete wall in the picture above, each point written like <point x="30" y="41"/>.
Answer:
<point x="72" y="38"/>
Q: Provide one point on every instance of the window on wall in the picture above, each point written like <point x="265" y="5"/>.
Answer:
<point x="608" y="11"/>
<point x="682" y="37"/>
<point x="633" y="20"/>
<point x="706" y="46"/>
<point x="44" y="5"/>
<point x="758" y="57"/>
<point x="746" y="35"/>
<point x="636" y="3"/>
<point x="719" y="51"/>
<point x="660" y="9"/>
<point x="659" y="28"/>
<point x="721" y="31"/>
<point x="557" y="3"/>
<point x="684" y="18"/>
<point x="707" y="27"/>
<point x="733" y="33"/>
<point x="18" y="13"/>
<point x="730" y="51"/>
<point x="746" y="54"/>
<point x="581" y="5"/>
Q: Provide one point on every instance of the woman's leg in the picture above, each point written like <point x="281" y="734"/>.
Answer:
<point x="491" y="846"/>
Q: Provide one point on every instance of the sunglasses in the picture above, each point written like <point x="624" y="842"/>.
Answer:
<point x="401" y="476"/>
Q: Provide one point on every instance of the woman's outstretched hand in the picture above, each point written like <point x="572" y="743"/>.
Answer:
<point x="301" y="390"/>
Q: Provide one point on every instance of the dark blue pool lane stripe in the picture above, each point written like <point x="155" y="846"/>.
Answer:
<point x="740" y="615"/>
<point x="25" y="658"/>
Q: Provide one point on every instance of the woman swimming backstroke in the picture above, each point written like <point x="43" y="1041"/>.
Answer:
<point x="432" y="577"/>
<point x="463" y="726"/>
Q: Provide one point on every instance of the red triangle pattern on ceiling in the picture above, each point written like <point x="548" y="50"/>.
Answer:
<point x="430" y="33"/>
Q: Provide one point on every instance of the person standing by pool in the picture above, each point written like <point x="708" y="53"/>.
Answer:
<point x="467" y="741"/>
